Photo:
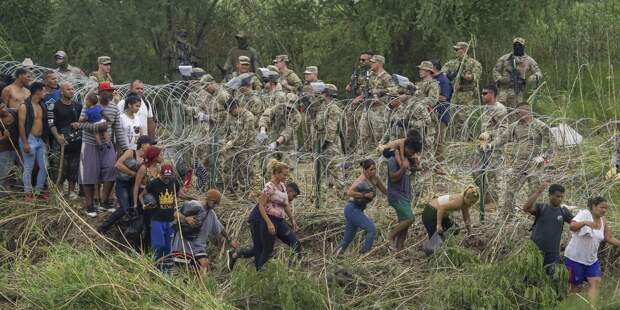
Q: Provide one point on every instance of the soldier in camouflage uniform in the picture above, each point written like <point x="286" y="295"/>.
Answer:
<point x="248" y="98"/>
<point x="103" y="72"/>
<point x="291" y="83"/>
<point x="493" y="122"/>
<point x="65" y="68"/>
<point x="528" y="136"/>
<point x="514" y="72"/>
<point x="243" y="67"/>
<point x="280" y="123"/>
<point x="356" y="87"/>
<point x="373" y="121"/>
<point x="464" y="72"/>
<point x="307" y="98"/>
<point x="181" y="53"/>
<point x="427" y="93"/>
<point x="243" y="49"/>
<point x="326" y="120"/>
<point x="236" y="161"/>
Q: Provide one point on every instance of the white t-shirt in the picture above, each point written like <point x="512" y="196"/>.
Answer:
<point x="583" y="244"/>
<point x="132" y="127"/>
<point x="143" y="114"/>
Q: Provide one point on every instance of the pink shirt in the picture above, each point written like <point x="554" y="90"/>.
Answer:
<point x="277" y="199"/>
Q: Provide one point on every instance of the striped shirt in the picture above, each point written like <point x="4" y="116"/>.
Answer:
<point x="110" y="113"/>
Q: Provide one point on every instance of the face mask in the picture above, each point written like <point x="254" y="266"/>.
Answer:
<point x="518" y="49"/>
<point x="243" y="43"/>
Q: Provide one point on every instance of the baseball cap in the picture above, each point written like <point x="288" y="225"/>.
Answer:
<point x="104" y="60"/>
<point x="518" y="40"/>
<point x="377" y="58"/>
<point x="106" y="86"/>
<point x="167" y="170"/>
<point x="461" y="45"/>
<point x="281" y="58"/>
<point x="311" y="69"/>
<point x="426" y="65"/>
<point x="244" y="60"/>
<point x="60" y="54"/>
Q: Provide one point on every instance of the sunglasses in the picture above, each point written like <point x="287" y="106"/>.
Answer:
<point x="364" y="59"/>
<point x="484" y="93"/>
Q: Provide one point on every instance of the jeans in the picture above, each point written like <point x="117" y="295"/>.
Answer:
<point x="161" y="242"/>
<point x="38" y="153"/>
<point x="354" y="218"/>
<point x="124" y="196"/>
<point x="256" y="242"/>
<point x="267" y="241"/>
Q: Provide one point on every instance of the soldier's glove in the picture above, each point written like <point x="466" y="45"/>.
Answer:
<point x="261" y="137"/>
<point x="539" y="160"/>
<point x="532" y="78"/>
<point x="202" y="117"/>
<point x="272" y="147"/>
<point x="484" y="137"/>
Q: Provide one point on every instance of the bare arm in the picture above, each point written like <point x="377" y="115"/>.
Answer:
<point x="289" y="213"/>
<point x="400" y="173"/>
<point x="379" y="184"/>
<point x="529" y="203"/>
<point x="609" y="235"/>
<point x="150" y="125"/>
<point x="21" y="116"/>
<point x="137" y="182"/>
<point x="467" y="219"/>
<point x="120" y="163"/>
<point x="440" y="213"/>
<point x="6" y="96"/>
<point x="577" y="225"/>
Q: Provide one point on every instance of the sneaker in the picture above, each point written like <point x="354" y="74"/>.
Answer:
<point x="74" y="196"/>
<point x="106" y="206"/>
<point x="230" y="259"/>
<point x="91" y="211"/>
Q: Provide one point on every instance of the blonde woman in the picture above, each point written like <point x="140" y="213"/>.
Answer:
<point x="436" y="214"/>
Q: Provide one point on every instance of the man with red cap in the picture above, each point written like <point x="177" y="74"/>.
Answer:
<point x="97" y="159"/>
<point x="165" y="189"/>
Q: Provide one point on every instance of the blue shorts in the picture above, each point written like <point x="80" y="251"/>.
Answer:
<point x="579" y="273"/>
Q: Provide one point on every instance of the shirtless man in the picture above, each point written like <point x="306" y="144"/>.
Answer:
<point x="32" y="132"/>
<point x="16" y="93"/>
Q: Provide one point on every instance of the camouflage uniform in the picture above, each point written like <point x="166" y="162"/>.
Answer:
<point x="256" y="83"/>
<point x="283" y="120"/>
<point x="236" y="161"/>
<point x="361" y="76"/>
<point x="304" y="132"/>
<point x="233" y="58"/>
<point x="493" y="123"/>
<point x="526" y="67"/>
<point x="373" y="121"/>
<point x="251" y="102"/>
<point x="528" y="142"/>
<point x="99" y="78"/>
<point x="427" y="95"/>
<point x="465" y="92"/>
<point x="326" y="129"/>
<point x="293" y="82"/>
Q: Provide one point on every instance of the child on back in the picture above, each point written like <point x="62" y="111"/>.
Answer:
<point x="94" y="115"/>
<point x="397" y="147"/>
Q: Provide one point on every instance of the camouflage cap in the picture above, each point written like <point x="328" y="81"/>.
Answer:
<point x="60" y="54"/>
<point x="461" y="45"/>
<point x="272" y="68"/>
<point x="330" y="90"/>
<point x="291" y="98"/>
<point x="104" y="60"/>
<point x="518" y="40"/>
<point x="27" y="62"/>
<point x="241" y="35"/>
<point x="207" y="79"/>
<point x="198" y="72"/>
<point x="377" y="58"/>
<point x="311" y="69"/>
<point x="244" y="60"/>
<point x="426" y="65"/>
<point x="331" y="87"/>
<point x="281" y="58"/>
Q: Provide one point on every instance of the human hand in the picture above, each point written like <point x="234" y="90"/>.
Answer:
<point x="75" y="125"/>
<point x="295" y="226"/>
<point x="191" y="220"/>
<point x="102" y="126"/>
<point x="234" y="244"/>
<point x="543" y="186"/>
<point x="348" y="88"/>
<point x="61" y="140"/>
<point x="26" y="148"/>
<point x="271" y="228"/>
<point x="272" y="147"/>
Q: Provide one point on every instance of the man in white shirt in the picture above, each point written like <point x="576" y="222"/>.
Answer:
<point x="145" y="114"/>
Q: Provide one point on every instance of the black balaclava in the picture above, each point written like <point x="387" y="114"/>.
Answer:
<point x="518" y="49"/>
<point x="242" y="43"/>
